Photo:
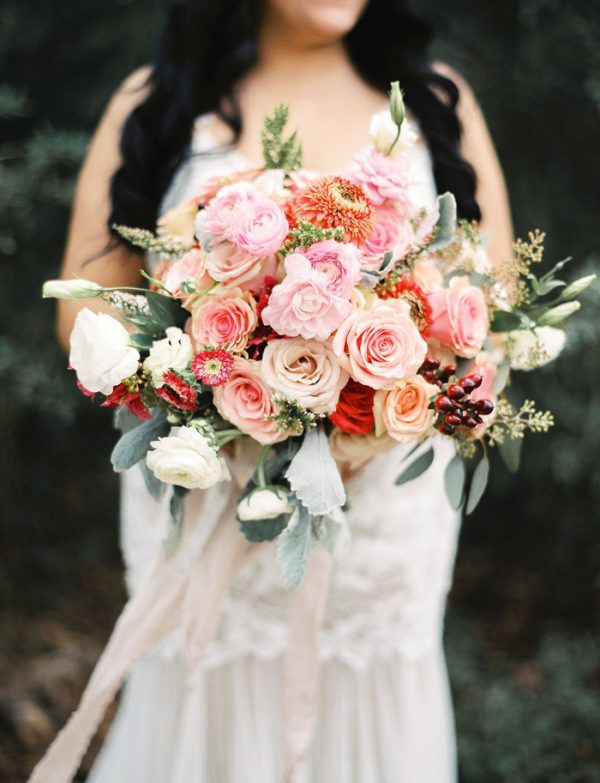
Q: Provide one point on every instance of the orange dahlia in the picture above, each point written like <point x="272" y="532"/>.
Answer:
<point x="329" y="202"/>
<point x="411" y="292"/>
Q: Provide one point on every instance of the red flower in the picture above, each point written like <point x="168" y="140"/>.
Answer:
<point x="177" y="392"/>
<point x="411" y="292"/>
<point x="354" y="411"/>
<point x="121" y="395"/>
<point x="332" y="201"/>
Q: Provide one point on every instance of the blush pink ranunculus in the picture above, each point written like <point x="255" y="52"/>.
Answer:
<point x="382" y="178"/>
<point x="459" y="317"/>
<point x="339" y="262"/>
<point x="380" y="346"/>
<point x="213" y="224"/>
<point x="258" y="225"/>
<point x="189" y="267"/>
<point x="224" y="318"/>
<point x="302" y="304"/>
<point x="246" y="400"/>
<point x="403" y="412"/>
<point x="230" y="266"/>
<point x="392" y="231"/>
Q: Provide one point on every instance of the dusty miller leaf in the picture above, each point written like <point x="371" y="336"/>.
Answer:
<point x="294" y="546"/>
<point x="314" y="476"/>
<point x="446" y="222"/>
<point x="134" y="444"/>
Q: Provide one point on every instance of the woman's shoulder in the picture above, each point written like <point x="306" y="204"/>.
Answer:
<point x="467" y="102"/>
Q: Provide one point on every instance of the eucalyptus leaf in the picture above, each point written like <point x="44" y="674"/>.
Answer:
<point x="134" y="445"/>
<point x="416" y="468"/>
<point x="454" y="481"/>
<point x="165" y="310"/>
<point x="314" y="476"/>
<point x="176" y="505"/>
<point x="293" y="547"/>
<point x="141" y="341"/>
<point x="257" y="530"/>
<point x="510" y="451"/>
<point x="501" y="378"/>
<point x="446" y="222"/>
<point x="506" y="321"/>
<point x="155" y="486"/>
<point x="478" y="484"/>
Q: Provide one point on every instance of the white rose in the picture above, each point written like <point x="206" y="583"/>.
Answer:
<point x="264" y="503"/>
<point x="100" y="351"/>
<point x="383" y="131"/>
<point x="71" y="289"/>
<point x="185" y="459"/>
<point x="529" y="349"/>
<point x="174" y="352"/>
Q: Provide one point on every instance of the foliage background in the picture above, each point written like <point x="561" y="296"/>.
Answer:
<point x="522" y="629"/>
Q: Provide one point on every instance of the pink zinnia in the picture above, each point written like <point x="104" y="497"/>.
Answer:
<point x="212" y="366"/>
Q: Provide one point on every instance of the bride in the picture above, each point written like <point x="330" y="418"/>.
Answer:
<point x="382" y="713"/>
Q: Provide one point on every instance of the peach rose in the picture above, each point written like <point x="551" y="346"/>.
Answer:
<point x="306" y="371"/>
<point x="460" y="317"/>
<point x="352" y="451"/>
<point x="380" y="346"/>
<point x="427" y="275"/>
<point x="245" y="400"/>
<point x="402" y="412"/>
<point x="231" y="266"/>
<point x="190" y="266"/>
<point x="223" y="318"/>
<point x="180" y="221"/>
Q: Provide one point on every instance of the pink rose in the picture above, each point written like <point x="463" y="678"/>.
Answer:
<point x="230" y="266"/>
<point x="402" y="412"/>
<point x="214" y="222"/>
<point x="380" y="346"/>
<point x="306" y="371"/>
<point x="258" y="226"/>
<point x="382" y="178"/>
<point x="392" y="232"/>
<point x="302" y="303"/>
<point x="245" y="400"/>
<point x="223" y="318"/>
<point x="460" y="317"/>
<point x="190" y="266"/>
<point x="339" y="262"/>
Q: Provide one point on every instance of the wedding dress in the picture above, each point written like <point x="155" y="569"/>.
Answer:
<point x="384" y="713"/>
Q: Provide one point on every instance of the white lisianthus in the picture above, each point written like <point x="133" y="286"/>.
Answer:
<point x="528" y="349"/>
<point x="71" y="289"/>
<point x="383" y="131"/>
<point x="174" y="352"/>
<point x="264" y="503"/>
<point x="186" y="459"/>
<point x="100" y="351"/>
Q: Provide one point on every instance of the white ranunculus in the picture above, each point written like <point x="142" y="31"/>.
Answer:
<point x="71" y="289"/>
<point x="529" y="349"/>
<point x="264" y="503"/>
<point x="174" y="352"/>
<point x="100" y="351"/>
<point x="383" y="131"/>
<point x="186" y="459"/>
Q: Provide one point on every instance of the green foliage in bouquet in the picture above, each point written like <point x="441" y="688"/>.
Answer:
<point x="278" y="152"/>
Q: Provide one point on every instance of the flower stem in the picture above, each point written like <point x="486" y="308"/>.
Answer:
<point x="389" y="152"/>
<point x="260" y="468"/>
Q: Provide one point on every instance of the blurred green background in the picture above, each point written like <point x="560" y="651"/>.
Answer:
<point x="522" y="629"/>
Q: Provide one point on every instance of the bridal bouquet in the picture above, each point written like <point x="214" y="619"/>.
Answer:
<point x="327" y="318"/>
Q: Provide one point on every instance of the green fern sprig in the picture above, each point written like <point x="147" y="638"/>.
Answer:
<point x="280" y="153"/>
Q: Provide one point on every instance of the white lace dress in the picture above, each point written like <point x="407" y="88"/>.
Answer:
<point x="384" y="712"/>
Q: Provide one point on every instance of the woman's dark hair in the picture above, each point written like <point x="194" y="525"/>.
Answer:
<point x="209" y="45"/>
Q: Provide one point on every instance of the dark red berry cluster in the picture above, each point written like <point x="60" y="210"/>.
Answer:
<point x="453" y="405"/>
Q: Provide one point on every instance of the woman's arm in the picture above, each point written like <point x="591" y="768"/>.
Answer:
<point x="478" y="149"/>
<point x="86" y="253"/>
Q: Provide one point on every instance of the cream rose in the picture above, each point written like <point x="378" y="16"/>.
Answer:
<point x="306" y="371"/>
<point x="224" y="318"/>
<point x="100" y="351"/>
<point x="351" y="451"/>
<point x="184" y="458"/>
<point x="174" y="352"/>
<point x="179" y="222"/>
<point x="529" y="349"/>
<point x="402" y="412"/>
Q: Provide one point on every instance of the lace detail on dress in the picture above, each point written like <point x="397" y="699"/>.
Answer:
<point x="389" y="589"/>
